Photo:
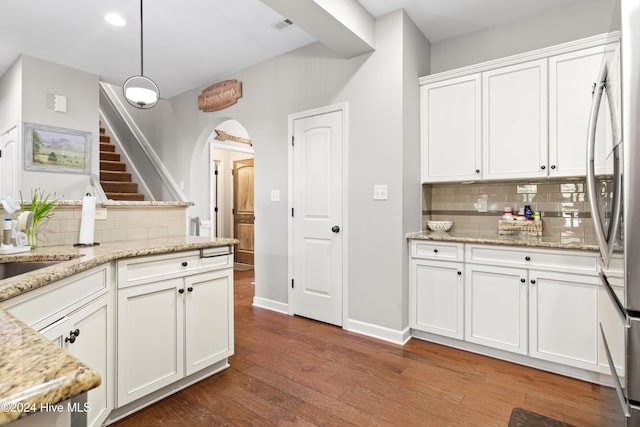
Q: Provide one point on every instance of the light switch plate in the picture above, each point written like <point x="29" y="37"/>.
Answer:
<point x="380" y="192"/>
<point x="275" y="195"/>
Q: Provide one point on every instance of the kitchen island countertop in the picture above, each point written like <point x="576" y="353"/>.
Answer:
<point x="34" y="372"/>
<point x="550" y="242"/>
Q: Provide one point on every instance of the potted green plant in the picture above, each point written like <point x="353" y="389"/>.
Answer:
<point x="41" y="208"/>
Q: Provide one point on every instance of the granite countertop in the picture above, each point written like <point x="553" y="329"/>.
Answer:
<point x="35" y="372"/>
<point x="551" y="242"/>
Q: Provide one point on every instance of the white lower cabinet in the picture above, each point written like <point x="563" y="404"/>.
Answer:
<point x="208" y="319"/>
<point x="171" y="327"/>
<point x="563" y="318"/>
<point x="77" y="314"/>
<point x="437" y="297"/>
<point x="150" y="338"/>
<point x="87" y="335"/>
<point x="496" y="307"/>
<point x="542" y="304"/>
<point x="612" y="326"/>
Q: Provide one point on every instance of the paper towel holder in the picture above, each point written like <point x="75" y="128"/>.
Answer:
<point x="85" y="245"/>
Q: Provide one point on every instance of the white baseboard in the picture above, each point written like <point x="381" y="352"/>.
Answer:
<point x="394" y="336"/>
<point x="268" y="304"/>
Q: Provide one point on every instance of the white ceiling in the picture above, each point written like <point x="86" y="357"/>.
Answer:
<point x="190" y="43"/>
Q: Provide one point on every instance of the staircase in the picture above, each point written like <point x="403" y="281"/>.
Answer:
<point x="114" y="178"/>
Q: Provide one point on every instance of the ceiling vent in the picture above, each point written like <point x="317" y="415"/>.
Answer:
<point x="282" y="25"/>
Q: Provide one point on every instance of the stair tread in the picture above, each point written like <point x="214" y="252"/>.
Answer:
<point x="125" y="196"/>
<point x="115" y="181"/>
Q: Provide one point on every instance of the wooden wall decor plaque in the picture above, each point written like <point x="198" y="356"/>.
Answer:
<point x="224" y="136"/>
<point x="220" y="95"/>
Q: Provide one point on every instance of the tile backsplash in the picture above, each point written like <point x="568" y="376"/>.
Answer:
<point x="563" y="204"/>
<point x="123" y="223"/>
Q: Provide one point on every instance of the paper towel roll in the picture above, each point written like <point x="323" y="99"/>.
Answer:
<point x="25" y="219"/>
<point x="87" y="220"/>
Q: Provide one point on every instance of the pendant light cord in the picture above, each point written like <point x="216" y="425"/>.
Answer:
<point x="141" y="44"/>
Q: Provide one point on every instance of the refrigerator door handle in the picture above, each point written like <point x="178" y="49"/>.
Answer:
<point x="626" y="407"/>
<point x="620" y="310"/>
<point x="605" y="241"/>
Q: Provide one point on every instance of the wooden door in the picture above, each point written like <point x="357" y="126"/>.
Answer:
<point x="317" y="217"/>
<point x="243" y="210"/>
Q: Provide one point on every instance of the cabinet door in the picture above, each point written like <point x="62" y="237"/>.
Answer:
<point x="496" y="307"/>
<point x="563" y="318"/>
<point x="150" y="338"/>
<point x="94" y="346"/>
<point x="571" y="79"/>
<point x="451" y="137"/>
<point x="613" y="328"/>
<point x="437" y="297"/>
<point x="209" y="319"/>
<point x="515" y="121"/>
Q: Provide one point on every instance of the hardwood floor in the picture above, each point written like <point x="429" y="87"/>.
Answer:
<point x="295" y="371"/>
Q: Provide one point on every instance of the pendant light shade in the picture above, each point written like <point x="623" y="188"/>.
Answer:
<point x="141" y="91"/>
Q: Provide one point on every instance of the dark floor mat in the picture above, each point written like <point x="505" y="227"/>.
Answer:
<point x="523" y="418"/>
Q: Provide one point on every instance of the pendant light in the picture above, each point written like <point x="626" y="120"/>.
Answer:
<point x="141" y="91"/>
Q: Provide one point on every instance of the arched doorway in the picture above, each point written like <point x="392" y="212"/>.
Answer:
<point x="232" y="195"/>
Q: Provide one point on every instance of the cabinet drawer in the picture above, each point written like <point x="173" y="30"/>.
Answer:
<point x="433" y="250"/>
<point x="582" y="262"/>
<point x="145" y="269"/>
<point x="67" y="294"/>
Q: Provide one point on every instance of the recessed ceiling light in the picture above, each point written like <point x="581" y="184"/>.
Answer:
<point x="115" y="19"/>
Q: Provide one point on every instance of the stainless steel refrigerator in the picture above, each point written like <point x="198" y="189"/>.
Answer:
<point x="617" y="217"/>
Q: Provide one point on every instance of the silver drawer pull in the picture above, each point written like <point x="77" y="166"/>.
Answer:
<point x="202" y="255"/>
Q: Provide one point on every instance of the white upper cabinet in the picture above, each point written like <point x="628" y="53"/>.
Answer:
<point x="451" y="129"/>
<point x="515" y="121"/>
<point x="520" y="117"/>
<point x="571" y="79"/>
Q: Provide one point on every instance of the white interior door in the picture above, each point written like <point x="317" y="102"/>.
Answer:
<point x="317" y="217"/>
<point x="9" y="163"/>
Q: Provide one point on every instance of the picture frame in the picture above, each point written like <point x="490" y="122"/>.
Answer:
<point x="55" y="149"/>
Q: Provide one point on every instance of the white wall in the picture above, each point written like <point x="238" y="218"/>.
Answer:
<point x="374" y="87"/>
<point x="559" y="25"/>
<point x="41" y="79"/>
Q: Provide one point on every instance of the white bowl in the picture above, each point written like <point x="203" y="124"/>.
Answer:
<point x="439" y="225"/>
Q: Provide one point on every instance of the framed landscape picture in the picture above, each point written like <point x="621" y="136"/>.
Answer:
<point x="53" y="149"/>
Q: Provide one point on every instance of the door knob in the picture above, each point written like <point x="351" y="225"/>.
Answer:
<point x="335" y="229"/>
